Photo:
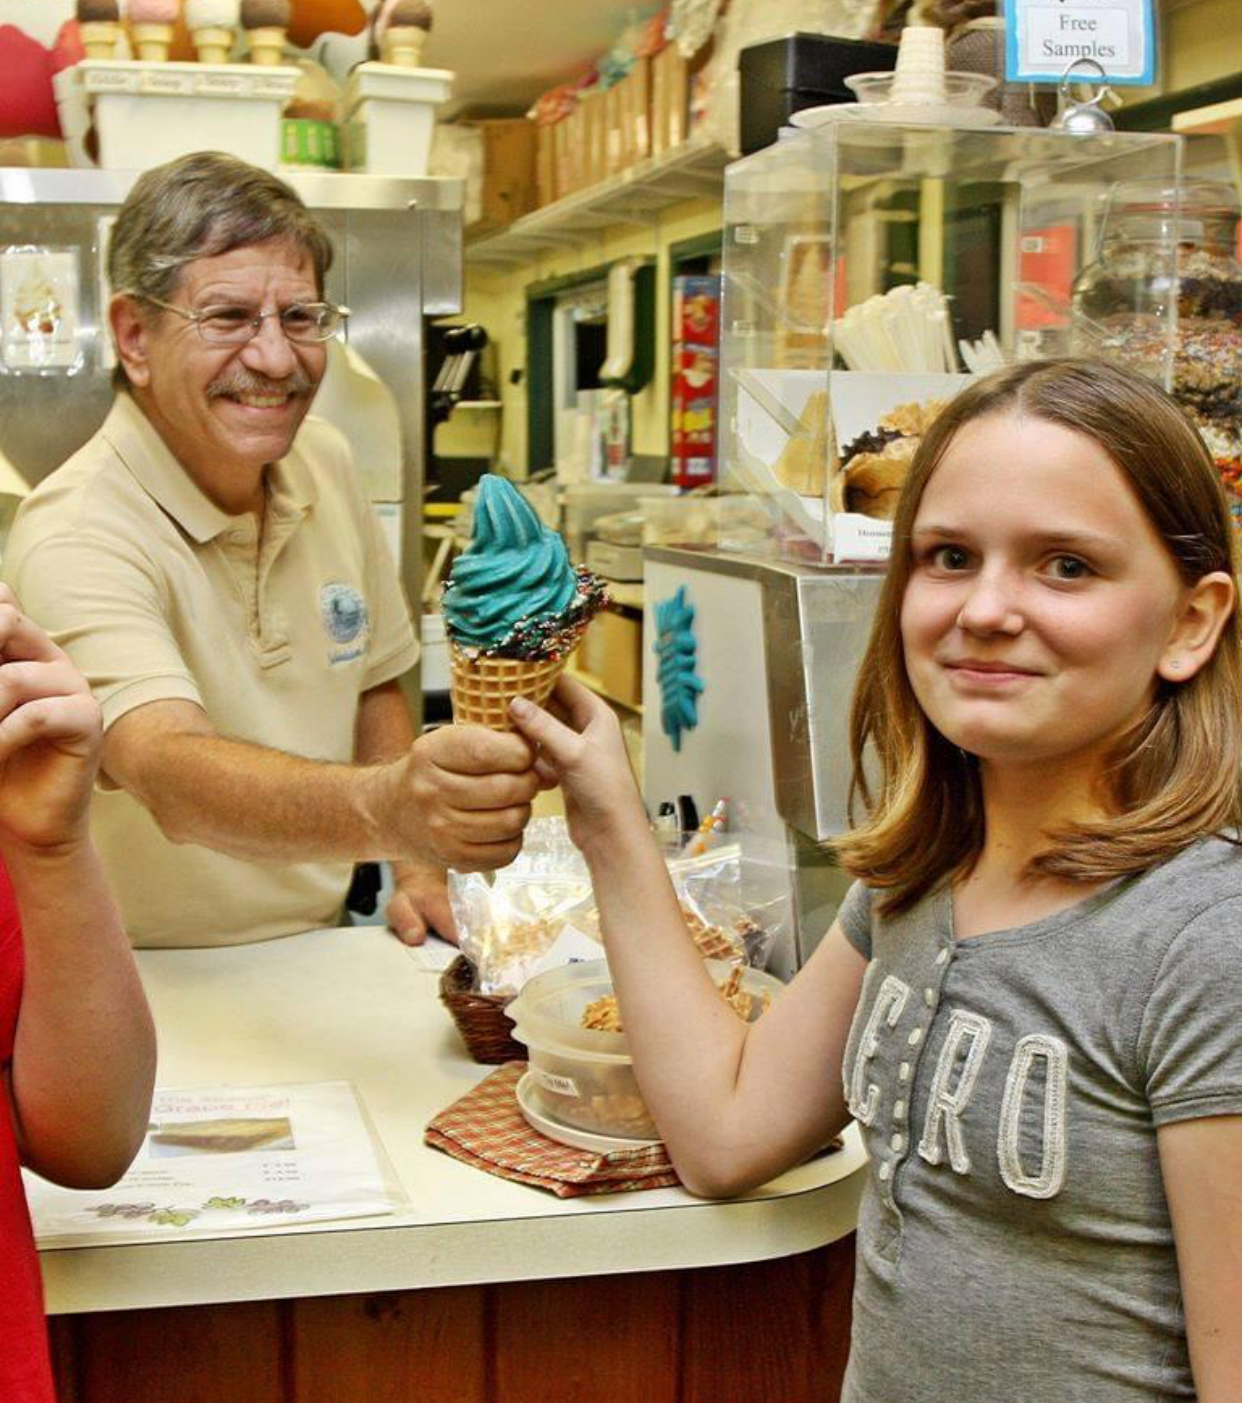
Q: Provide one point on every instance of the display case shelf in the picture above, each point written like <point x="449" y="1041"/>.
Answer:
<point x="632" y="197"/>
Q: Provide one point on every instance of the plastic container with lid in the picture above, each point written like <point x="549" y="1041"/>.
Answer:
<point x="585" y="1077"/>
<point x="1165" y="297"/>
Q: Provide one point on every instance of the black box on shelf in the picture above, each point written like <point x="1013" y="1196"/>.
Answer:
<point x="782" y="76"/>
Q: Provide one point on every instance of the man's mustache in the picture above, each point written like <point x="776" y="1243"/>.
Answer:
<point x="245" y="382"/>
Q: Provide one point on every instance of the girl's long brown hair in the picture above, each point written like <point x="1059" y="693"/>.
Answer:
<point x="1176" y="777"/>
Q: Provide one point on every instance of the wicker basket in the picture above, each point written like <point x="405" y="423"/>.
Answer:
<point x="481" y="1020"/>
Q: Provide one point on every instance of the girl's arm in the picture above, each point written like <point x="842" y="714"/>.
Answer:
<point x="735" y="1103"/>
<point x="1201" y="1161"/>
<point x="84" y="1050"/>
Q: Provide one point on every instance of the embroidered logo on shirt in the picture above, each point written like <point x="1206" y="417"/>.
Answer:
<point x="344" y="614"/>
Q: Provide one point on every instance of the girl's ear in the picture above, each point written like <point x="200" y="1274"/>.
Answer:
<point x="130" y="333"/>
<point x="1204" y="614"/>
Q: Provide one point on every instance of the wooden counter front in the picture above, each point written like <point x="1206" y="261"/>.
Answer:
<point x="477" y="1290"/>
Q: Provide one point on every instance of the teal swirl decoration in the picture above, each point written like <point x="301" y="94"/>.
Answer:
<point x="677" y="649"/>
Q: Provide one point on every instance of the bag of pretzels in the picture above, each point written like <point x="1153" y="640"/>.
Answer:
<point x="539" y="913"/>
<point x="728" y="899"/>
<point x="511" y="922"/>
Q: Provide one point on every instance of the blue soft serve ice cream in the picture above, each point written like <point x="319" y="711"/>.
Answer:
<point x="512" y="593"/>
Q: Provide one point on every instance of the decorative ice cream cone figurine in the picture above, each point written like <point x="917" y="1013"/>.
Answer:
<point x="266" y="23"/>
<point x="99" y="27"/>
<point x="514" y="608"/>
<point x="399" y="31"/>
<point x="919" y="75"/>
<point x="151" y="28"/>
<point x="213" y="28"/>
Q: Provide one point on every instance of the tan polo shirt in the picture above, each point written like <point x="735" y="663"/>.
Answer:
<point x="156" y="593"/>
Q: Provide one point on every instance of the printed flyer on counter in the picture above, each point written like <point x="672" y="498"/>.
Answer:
<point x="222" y="1160"/>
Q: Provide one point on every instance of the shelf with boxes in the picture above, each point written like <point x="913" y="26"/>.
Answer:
<point x="690" y="171"/>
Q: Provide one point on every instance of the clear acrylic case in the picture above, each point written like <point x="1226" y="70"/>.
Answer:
<point x="869" y="269"/>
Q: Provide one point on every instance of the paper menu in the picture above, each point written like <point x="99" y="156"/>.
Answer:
<point x="222" y="1160"/>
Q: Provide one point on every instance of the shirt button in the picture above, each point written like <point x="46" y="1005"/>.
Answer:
<point x="903" y="1072"/>
<point x="899" y="1110"/>
<point x="885" y="1170"/>
<point x="898" y="1143"/>
<point x="929" y="997"/>
<point x="916" y="1037"/>
<point x="942" y="955"/>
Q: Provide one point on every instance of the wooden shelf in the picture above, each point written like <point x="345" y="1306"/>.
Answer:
<point x="1223" y="119"/>
<point x="694" y="170"/>
<point x="588" y="679"/>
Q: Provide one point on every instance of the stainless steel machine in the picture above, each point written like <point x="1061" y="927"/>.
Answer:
<point x="777" y="646"/>
<point x="398" y="259"/>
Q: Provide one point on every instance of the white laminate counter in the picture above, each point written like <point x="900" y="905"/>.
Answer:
<point x="353" y="1005"/>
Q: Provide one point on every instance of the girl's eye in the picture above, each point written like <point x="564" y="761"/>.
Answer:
<point x="949" y="558"/>
<point x="1068" y="567"/>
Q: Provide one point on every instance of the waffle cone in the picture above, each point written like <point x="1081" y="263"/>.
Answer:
<point x="402" y="45"/>
<point x="151" y="41"/>
<point x="99" y="37"/>
<point x="267" y="46"/>
<point x="213" y="45"/>
<point x="484" y="687"/>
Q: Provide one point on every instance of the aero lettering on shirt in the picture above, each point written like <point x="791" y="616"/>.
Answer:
<point x="954" y="1081"/>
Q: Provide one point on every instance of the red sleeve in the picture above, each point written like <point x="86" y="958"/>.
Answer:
<point x="10" y="965"/>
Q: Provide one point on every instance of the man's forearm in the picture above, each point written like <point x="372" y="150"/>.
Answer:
<point x="264" y="805"/>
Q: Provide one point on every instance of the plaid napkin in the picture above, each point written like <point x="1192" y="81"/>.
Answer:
<point x="485" y="1128"/>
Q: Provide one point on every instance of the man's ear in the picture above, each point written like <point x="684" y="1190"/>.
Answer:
<point x="131" y="333"/>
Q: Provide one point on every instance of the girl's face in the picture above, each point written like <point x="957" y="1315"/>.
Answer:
<point x="1041" y="599"/>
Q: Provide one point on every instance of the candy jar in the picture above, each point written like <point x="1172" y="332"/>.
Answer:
<point x="1165" y="296"/>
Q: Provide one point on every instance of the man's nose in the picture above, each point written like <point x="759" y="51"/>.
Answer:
<point x="993" y="604"/>
<point x="269" y="353"/>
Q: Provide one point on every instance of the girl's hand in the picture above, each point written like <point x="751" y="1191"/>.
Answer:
<point x="584" y="752"/>
<point x="50" y="737"/>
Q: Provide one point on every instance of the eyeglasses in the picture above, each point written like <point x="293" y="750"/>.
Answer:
<point x="303" y="322"/>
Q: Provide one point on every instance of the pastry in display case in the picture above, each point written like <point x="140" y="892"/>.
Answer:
<point x="871" y="269"/>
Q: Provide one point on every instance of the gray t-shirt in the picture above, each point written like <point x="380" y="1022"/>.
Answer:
<point x="1014" y="1240"/>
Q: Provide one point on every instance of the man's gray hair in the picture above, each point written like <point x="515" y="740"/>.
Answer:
<point x="201" y="206"/>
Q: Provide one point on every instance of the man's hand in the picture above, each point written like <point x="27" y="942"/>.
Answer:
<point x="50" y="736"/>
<point x="461" y="797"/>
<point x="419" y="905"/>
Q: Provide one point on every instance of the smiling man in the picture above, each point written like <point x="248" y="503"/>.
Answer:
<point x="211" y="564"/>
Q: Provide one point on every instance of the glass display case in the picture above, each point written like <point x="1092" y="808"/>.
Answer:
<point x="869" y="271"/>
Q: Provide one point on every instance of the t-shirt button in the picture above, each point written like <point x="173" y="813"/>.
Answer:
<point x="899" y="1110"/>
<point x="916" y="1037"/>
<point x="929" y="997"/>
<point x="903" y="1072"/>
<point x="885" y="1170"/>
<point x="942" y="955"/>
<point x="898" y="1143"/>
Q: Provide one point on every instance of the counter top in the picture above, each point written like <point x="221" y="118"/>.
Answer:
<point x="354" y="1005"/>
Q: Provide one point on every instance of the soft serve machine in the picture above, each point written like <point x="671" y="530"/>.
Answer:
<point x="397" y="260"/>
<point x="858" y="258"/>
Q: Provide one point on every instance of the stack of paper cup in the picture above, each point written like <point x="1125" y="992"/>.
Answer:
<point x="919" y="75"/>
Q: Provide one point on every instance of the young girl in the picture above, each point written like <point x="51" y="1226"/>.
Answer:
<point x="1031" y="1000"/>
<point x="76" y="1047"/>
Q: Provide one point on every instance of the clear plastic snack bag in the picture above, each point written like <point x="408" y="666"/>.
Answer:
<point x="730" y="901"/>
<point x="513" y="923"/>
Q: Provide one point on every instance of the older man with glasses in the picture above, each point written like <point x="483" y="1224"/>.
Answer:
<point x="210" y="562"/>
